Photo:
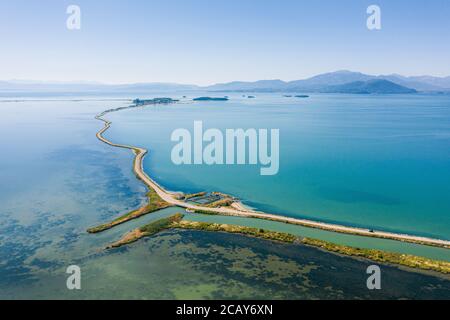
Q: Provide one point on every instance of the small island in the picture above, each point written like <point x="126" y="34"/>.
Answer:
<point x="139" y="102"/>
<point x="210" y="99"/>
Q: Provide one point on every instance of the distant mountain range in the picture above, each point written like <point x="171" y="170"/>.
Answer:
<point x="333" y="82"/>
<point x="344" y="82"/>
<point x="368" y="87"/>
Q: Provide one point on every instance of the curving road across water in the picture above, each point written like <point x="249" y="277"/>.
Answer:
<point x="239" y="210"/>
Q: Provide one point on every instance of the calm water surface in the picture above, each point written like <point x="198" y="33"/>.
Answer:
<point x="380" y="162"/>
<point x="57" y="180"/>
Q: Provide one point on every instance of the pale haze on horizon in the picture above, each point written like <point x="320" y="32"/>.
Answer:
<point x="205" y="42"/>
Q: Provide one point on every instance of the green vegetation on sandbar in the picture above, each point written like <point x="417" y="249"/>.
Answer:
<point x="382" y="256"/>
<point x="176" y="222"/>
<point x="194" y="195"/>
<point x="226" y="202"/>
<point x="211" y="213"/>
<point x="255" y="232"/>
<point x="161" y="224"/>
<point x="376" y="255"/>
<point x="155" y="203"/>
<point x="319" y="227"/>
<point x="148" y="230"/>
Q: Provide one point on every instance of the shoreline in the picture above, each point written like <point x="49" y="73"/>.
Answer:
<point x="239" y="210"/>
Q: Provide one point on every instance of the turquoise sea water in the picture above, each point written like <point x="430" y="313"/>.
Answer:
<point x="380" y="162"/>
<point x="57" y="179"/>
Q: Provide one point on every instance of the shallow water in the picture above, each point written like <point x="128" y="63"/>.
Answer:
<point x="57" y="180"/>
<point x="199" y="265"/>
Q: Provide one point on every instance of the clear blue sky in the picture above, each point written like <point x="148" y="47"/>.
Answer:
<point x="209" y="41"/>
